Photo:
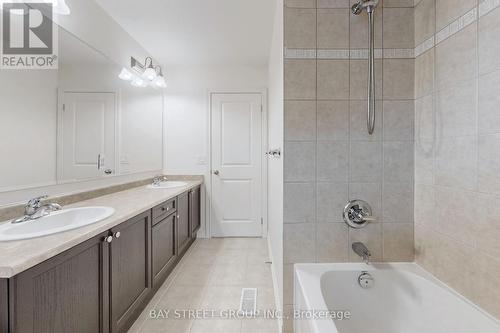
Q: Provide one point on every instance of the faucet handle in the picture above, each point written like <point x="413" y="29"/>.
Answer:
<point x="34" y="204"/>
<point x="36" y="201"/>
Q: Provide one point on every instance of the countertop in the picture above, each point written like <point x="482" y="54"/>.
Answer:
<point x="18" y="256"/>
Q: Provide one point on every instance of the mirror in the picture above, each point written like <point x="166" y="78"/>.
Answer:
<point x="76" y="123"/>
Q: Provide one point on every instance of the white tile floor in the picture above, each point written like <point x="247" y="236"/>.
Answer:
<point x="210" y="277"/>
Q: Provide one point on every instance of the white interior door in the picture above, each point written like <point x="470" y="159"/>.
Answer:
<point x="236" y="165"/>
<point x="87" y="130"/>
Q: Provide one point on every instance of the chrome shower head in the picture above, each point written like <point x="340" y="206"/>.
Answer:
<point x="369" y="5"/>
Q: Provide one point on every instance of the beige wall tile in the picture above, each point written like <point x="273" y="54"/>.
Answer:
<point x="371" y="236"/>
<point x="333" y="79"/>
<point x="299" y="243"/>
<point x="366" y="162"/>
<point x="333" y="120"/>
<point x="425" y="128"/>
<point x="299" y="203"/>
<point x="300" y="28"/>
<point x="456" y="162"/>
<point x="489" y="104"/>
<point x="398" y="242"/>
<point x="300" y="120"/>
<point x="359" y="79"/>
<point x="333" y="28"/>
<point x="424" y="74"/>
<point x="489" y="163"/>
<point x="359" y="30"/>
<point x="398" y="161"/>
<point x="449" y="10"/>
<point x="357" y="121"/>
<point x="483" y="269"/>
<point x="399" y="120"/>
<point x="425" y="205"/>
<point x="425" y="20"/>
<point x="456" y="110"/>
<point x="424" y="162"/>
<point x="456" y="59"/>
<point x="299" y="161"/>
<point x="332" y="241"/>
<point x="487" y="229"/>
<point x="397" y="202"/>
<point x="369" y="192"/>
<point x="300" y="3"/>
<point x="333" y="4"/>
<point x="399" y="78"/>
<point x="489" y="48"/>
<point x="332" y="162"/>
<point x="398" y="33"/>
<point x="397" y="3"/>
<point x="300" y="79"/>
<point x="332" y="198"/>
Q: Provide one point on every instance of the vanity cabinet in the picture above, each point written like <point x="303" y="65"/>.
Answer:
<point x="103" y="284"/>
<point x="130" y="274"/>
<point x="67" y="293"/>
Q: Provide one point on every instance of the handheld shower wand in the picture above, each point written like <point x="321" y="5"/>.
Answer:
<point x="357" y="9"/>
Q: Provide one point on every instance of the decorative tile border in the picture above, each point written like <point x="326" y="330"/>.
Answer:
<point x="345" y="54"/>
<point x="300" y="53"/>
<point x="425" y="46"/>
<point x="487" y="6"/>
<point x="457" y="25"/>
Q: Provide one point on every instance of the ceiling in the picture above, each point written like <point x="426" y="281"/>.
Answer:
<point x="198" y="32"/>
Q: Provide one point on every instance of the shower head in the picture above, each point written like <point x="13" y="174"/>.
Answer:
<point x="369" y="5"/>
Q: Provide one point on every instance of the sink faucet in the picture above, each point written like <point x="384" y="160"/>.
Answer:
<point x="35" y="210"/>
<point x="158" y="179"/>
<point x="362" y="251"/>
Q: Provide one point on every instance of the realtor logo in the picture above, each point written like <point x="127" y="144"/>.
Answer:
<point x="29" y="36"/>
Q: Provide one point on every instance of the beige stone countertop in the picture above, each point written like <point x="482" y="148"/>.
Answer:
<point x="18" y="256"/>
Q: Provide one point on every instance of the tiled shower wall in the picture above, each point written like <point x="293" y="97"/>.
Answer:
<point x="329" y="156"/>
<point x="457" y="145"/>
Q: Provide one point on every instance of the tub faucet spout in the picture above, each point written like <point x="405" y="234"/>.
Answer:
<point x="361" y="250"/>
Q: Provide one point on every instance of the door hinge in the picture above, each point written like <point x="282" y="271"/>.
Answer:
<point x="261" y="108"/>
<point x="261" y="221"/>
<point x="64" y="107"/>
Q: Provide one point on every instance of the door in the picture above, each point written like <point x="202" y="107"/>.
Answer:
<point x="194" y="211"/>
<point x="67" y="293"/>
<point x="236" y="165"/>
<point x="87" y="135"/>
<point x="130" y="275"/>
<point x="183" y="235"/>
<point x="164" y="249"/>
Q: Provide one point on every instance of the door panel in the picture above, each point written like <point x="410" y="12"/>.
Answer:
<point x="130" y="270"/>
<point x="194" y="211"/>
<point x="87" y="129"/>
<point x="164" y="249"/>
<point x="236" y="165"/>
<point x="183" y="235"/>
<point x="68" y="293"/>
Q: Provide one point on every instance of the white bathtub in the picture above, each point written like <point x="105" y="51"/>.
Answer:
<point x="404" y="299"/>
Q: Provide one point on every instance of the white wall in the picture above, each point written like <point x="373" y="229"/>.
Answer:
<point x="275" y="166"/>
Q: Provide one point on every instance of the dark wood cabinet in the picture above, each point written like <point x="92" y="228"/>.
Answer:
<point x="183" y="235"/>
<point x="67" y="293"/>
<point x="130" y="274"/>
<point x="194" y="211"/>
<point x="102" y="284"/>
<point x="164" y="249"/>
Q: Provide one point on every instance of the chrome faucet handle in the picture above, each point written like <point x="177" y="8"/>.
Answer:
<point x="34" y="204"/>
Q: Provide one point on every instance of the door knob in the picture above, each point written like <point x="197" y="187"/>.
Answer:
<point x="108" y="171"/>
<point x="216" y="172"/>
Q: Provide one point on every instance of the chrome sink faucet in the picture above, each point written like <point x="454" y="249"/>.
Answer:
<point x="158" y="179"/>
<point x="361" y="250"/>
<point x="35" y="210"/>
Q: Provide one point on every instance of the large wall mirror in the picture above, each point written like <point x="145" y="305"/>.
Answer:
<point x="76" y="123"/>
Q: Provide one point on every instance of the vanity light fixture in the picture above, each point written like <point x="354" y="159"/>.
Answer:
<point x="59" y="7"/>
<point x="143" y="75"/>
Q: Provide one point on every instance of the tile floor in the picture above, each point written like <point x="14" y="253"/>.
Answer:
<point x="211" y="276"/>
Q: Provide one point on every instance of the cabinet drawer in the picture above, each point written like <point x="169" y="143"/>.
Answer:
<point x="163" y="210"/>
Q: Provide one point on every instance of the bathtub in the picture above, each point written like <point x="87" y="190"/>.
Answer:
<point x="403" y="299"/>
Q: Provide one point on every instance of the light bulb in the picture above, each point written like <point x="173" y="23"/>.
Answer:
<point x="125" y="75"/>
<point x="138" y="82"/>
<point x="149" y="73"/>
<point x="160" y="82"/>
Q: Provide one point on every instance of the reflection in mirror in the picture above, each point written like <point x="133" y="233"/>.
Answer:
<point x="76" y="123"/>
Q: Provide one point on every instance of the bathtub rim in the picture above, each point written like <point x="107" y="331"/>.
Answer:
<point x="309" y="274"/>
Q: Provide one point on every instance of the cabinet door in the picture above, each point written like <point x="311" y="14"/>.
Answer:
<point x="183" y="235"/>
<point x="164" y="249"/>
<point x="130" y="275"/>
<point x="194" y="211"/>
<point x="67" y="293"/>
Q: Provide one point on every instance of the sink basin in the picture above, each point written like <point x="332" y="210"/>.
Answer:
<point x="169" y="184"/>
<point x="59" y="221"/>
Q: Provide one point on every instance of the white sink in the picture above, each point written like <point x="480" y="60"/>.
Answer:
<point x="59" y="221"/>
<point x="169" y="184"/>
